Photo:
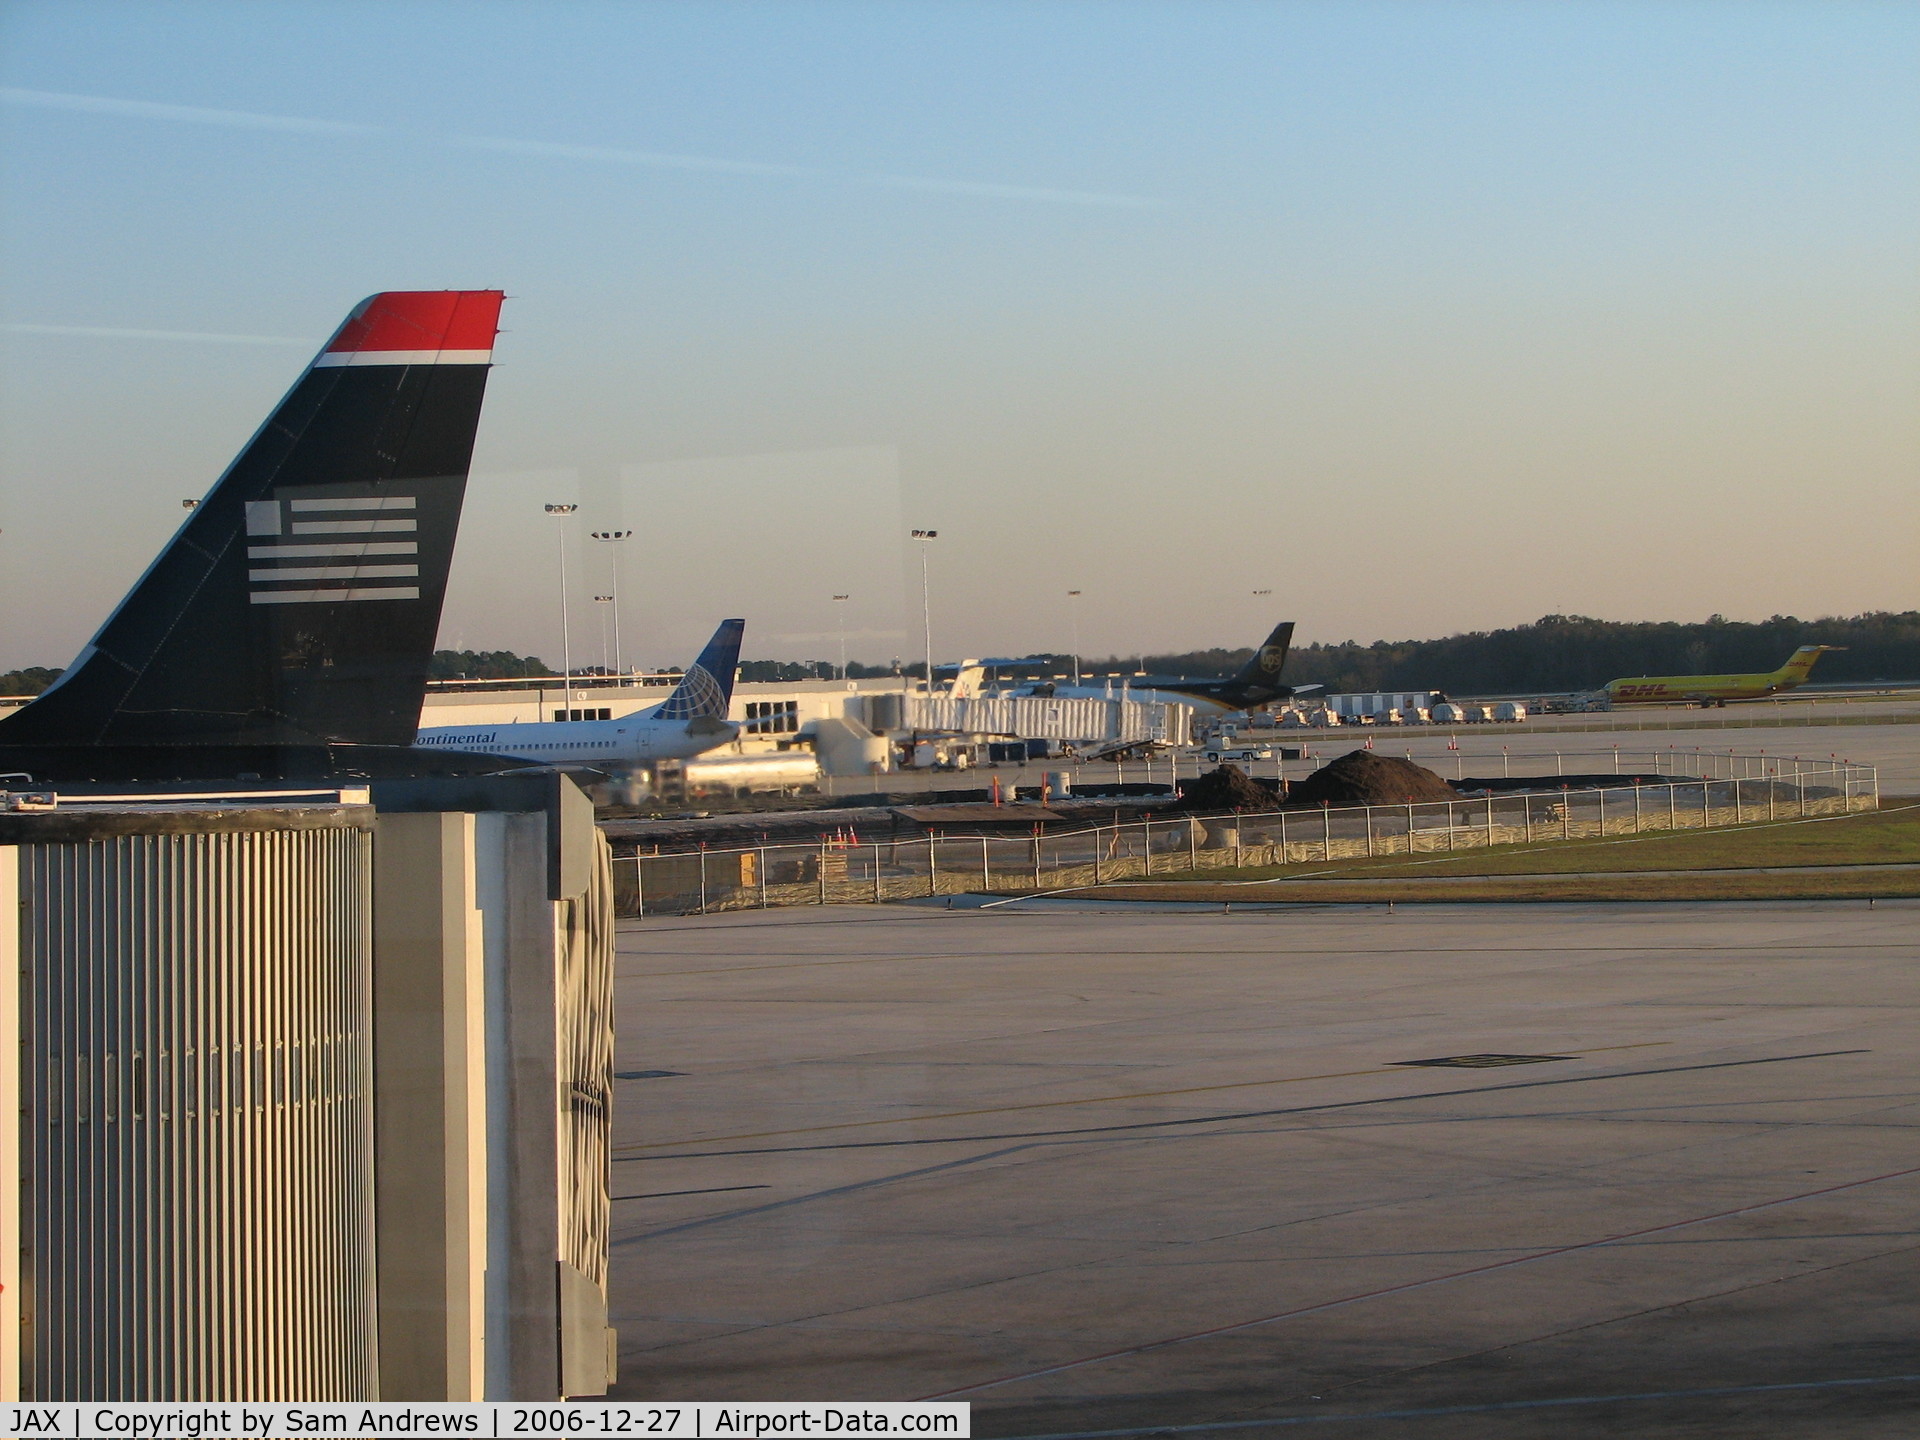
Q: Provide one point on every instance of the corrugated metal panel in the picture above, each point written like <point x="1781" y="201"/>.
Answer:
<point x="196" y="1133"/>
<point x="1043" y="718"/>
<point x="1378" y="702"/>
<point x="584" y="1068"/>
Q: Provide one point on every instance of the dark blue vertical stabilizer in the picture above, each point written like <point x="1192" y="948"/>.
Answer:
<point x="299" y="603"/>
<point x="706" y="690"/>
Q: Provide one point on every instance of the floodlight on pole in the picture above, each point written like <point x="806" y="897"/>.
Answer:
<point x="840" y="609"/>
<point x="1073" y="609"/>
<point x="604" y="600"/>
<point x="615" y="536"/>
<point x="926" y="539"/>
<point x="561" y="512"/>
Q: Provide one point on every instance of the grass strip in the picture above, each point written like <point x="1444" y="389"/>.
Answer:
<point x="1810" y="884"/>
<point x="1890" y="836"/>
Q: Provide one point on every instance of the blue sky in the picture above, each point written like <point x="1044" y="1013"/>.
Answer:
<point x="1426" y="317"/>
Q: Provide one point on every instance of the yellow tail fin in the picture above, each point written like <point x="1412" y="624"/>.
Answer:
<point x="1800" y="662"/>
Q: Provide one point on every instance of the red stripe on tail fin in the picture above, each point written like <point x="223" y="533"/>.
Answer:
<point x="417" y="320"/>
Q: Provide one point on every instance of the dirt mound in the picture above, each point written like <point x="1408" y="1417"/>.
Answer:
<point x="1226" y="788"/>
<point x="1364" y="778"/>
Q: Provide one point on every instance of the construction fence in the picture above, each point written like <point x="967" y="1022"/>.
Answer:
<point x="1719" y="791"/>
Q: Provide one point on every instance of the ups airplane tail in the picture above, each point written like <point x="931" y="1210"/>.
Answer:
<point x="705" y="692"/>
<point x="1256" y="683"/>
<point x="298" y="605"/>
<point x="1269" y="660"/>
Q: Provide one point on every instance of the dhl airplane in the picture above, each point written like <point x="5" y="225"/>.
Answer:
<point x="1705" y="690"/>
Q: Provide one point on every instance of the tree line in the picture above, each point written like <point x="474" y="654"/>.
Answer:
<point x="1554" y="653"/>
<point x="29" y="681"/>
<point x="1577" y="652"/>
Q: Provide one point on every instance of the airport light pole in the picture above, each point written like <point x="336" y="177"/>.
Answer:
<point x="1073" y="609"/>
<point x="603" y="600"/>
<point x="614" y="537"/>
<point x="926" y="539"/>
<point x="560" y="513"/>
<point x="840" y="610"/>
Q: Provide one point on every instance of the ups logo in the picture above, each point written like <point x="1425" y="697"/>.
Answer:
<point x="1272" y="657"/>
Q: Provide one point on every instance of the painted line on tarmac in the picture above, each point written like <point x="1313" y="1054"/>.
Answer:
<point x="1239" y="1114"/>
<point x="1151" y="1346"/>
<point x="1393" y="1069"/>
<point x="1489" y="1408"/>
<point x="812" y="1195"/>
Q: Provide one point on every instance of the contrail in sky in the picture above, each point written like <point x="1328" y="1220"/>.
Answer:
<point x="249" y="120"/>
<point x="191" y="114"/>
<point x="103" y="332"/>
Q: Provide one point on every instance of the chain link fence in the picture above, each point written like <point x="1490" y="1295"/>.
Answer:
<point x="1717" y="791"/>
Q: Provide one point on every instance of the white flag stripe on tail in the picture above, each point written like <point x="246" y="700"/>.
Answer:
<point x="403" y="357"/>
<point x="345" y="579"/>
<point x="338" y="572"/>
<point x="305" y="597"/>
<point x="322" y="552"/>
<point x="353" y="527"/>
<point x="365" y="502"/>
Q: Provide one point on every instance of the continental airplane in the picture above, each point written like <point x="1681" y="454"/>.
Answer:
<point x="1254" y="684"/>
<point x="691" y="720"/>
<point x="284" y="633"/>
<point x="1706" y="690"/>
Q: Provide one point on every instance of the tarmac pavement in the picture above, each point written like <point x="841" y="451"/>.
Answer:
<point x="1103" y="1169"/>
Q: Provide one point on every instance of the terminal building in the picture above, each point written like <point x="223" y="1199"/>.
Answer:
<point x="844" y="727"/>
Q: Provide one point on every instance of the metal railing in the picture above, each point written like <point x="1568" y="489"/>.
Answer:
<point x="1713" y="791"/>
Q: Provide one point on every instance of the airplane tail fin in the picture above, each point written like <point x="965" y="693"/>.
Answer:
<point x="706" y="690"/>
<point x="969" y="680"/>
<point x="299" y="602"/>
<point x="1270" y="659"/>
<point x="1801" y="662"/>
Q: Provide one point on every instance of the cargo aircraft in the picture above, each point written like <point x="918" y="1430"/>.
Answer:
<point x="284" y="633"/>
<point x="1708" y="690"/>
<point x="690" y="721"/>
<point x="1254" y="684"/>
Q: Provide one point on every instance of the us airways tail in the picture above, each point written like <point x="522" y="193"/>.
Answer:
<point x="705" y="692"/>
<point x="295" y="611"/>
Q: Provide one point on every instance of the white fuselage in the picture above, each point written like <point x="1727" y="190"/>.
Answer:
<point x="630" y="740"/>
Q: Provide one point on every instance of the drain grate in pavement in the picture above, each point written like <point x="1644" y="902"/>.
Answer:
<point x="1483" y="1062"/>
<point x="651" y="1074"/>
